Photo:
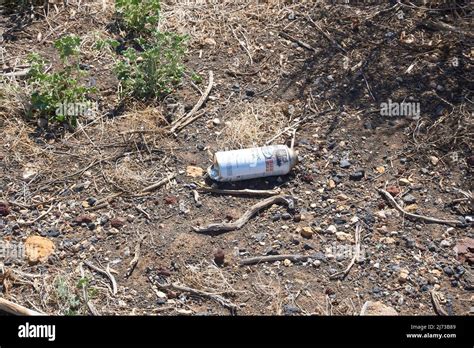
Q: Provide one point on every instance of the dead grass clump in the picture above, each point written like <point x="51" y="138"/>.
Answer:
<point x="271" y="290"/>
<point x="208" y="277"/>
<point x="253" y="126"/>
<point x="13" y="99"/>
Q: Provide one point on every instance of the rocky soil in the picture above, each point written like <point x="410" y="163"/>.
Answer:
<point x="74" y="200"/>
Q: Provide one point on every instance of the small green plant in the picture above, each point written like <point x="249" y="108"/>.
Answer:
<point x="138" y="16"/>
<point x="68" y="300"/>
<point x="52" y="90"/>
<point x="196" y="78"/>
<point x="84" y="283"/>
<point x="154" y="71"/>
<point x="106" y="44"/>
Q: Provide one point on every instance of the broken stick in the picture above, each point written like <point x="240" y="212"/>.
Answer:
<point x="183" y="120"/>
<point x="436" y="299"/>
<point x="273" y="258"/>
<point x="244" y="192"/>
<point x="16" y="309"/>
<point x="158" y="184"/>
<point x="238" y="224"/>
<point x="354" y="258"/>
<point x="136" y="257"/>
<point x="105" y="273"/>
<point x="412" y="216"/>
<point x="216" y="297"/>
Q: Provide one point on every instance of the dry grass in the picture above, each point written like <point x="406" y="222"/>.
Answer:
<point x="254" y="125"/>
<point x="13" y="98"/>
<point x="271" y="289"/>
<point x="208" y="277"/>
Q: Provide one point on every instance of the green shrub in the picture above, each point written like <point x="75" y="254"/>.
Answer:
<point x="154" y="71"/>
<point x="53" y="89"/>
<point x="138" y="16"/>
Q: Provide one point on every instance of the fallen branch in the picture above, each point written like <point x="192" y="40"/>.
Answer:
<point x="298" y="42"/>
<point x="392" y="201"/>
<point x="354" y="258"/>
<point x="19" y="73"/>
<point x="189" y="121"/>
<point x="28" y="223"/>
<point x="435" y="298"/>
<point x="16" y="309"/>
<point x="273" y="258"/>
<point x="238" y="224"/>
<point x="447" y="27"/>
<point x="183" y="119"/>
<point x="244" y="192"/>
<point x="105" y="273"/>
<point x="326" y="35"/>
<point x="135" y="259"/>
<point x="159" y="183"/>
<point x="216" y="297"/>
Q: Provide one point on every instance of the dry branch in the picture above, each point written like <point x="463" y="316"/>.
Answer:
<point x="16" y="309"/>
<point x="159" y="183"/>
<point x="354" y="258"/>
<point x="183" y="121"/>
<point x="299" y="42"/>
<point x="244" y="192"/>
<point x="446" y="27"/>
<point x="435" y="298"/>
<point x="412" y="216"/>
<point x="273" y="258"/>
<point x="28" y="223"/>
<point x="105" y="273"/>
<point x="216" y="297"/>
<point x="135" y="259"/>
<point x="238" y="224"/>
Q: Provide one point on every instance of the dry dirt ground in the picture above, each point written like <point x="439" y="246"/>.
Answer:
<point x="322" y="69"/>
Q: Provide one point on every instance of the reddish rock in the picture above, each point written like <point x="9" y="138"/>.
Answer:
<point x="4" y="209"/>
<point x="465" y="250"/>
<point x="84" y="218"/>
<point x="117" y="222"/>
<point x="307" y="178"/>
<point x="163" y="272"/>
<point x="393" y="190"/>
<point x="171" y="200"/>
<point x="219" y="257"/>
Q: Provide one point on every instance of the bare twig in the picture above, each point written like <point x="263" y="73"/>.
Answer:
<point x="326" y="35"/>
<point x="238" y="224"/>
<point x="136" y="257"/>
<point x="159" y="183"/>
<point x="412" y="216"/>
<point x="244" y="192"/>
<point x="16" y="309"/>
<point x="105" y="273"/>
<point x="354" y="258"/>
<point x="19" y="73"/>
<point x="216" y="297"/>
<point x="273" y="258"/>
<point x="189" y="116"/>
<point x="435" y="298"/>
<point x="446" y="27"/>
<point x="299" y="42"/>
<point x="28" y="223"/>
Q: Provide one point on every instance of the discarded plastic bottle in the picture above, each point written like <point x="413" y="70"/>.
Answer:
<point x="252" y="163"/>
